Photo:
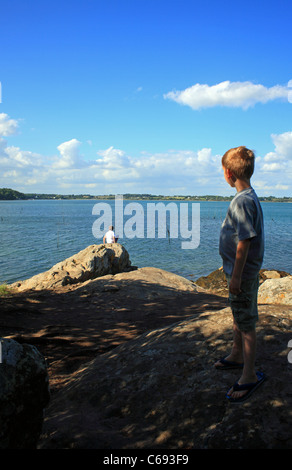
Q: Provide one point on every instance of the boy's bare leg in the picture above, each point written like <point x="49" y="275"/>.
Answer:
<point x="249" y="353"/>
<point x="236" y="353"/>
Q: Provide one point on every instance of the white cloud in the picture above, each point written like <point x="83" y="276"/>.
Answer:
<point x="113" y="158"/>
<point x="271" y="157"/>
<point x="272" y="166"/>
<point x="282" y="187"/>
<point x="7" y="126"/>
<point x="281" y="156"/>
<point x="204" y="156"/>
<point x="280" y="159"/>
<point x="70" y="157"/>
<point x="114" y="171"/>
<point x="276" y="166"/>
<point x="283" y="144"/>
<point x="266" y="188"/>
<point x="14" y="157"/>
<point x="231" y="94"/>
<point x="23" y="158"/>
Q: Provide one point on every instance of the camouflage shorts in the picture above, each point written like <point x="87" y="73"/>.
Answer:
<point x="244" y="306"/>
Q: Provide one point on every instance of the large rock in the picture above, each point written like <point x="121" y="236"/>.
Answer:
<point x="92" y="262"/>
<point x="161" y="391"/>
<point x="143" y="283"/>
<point x="276" y="291"/>
<point x="216" y="283"/>
<point x="24" y="392"/>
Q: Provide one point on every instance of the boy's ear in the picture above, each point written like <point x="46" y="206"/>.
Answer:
<point x="230" y="175"/>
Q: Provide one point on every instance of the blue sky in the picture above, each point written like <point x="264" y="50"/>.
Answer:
<point x="114" y="97"/>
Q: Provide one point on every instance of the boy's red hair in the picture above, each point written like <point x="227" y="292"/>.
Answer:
<point x="240" y="161"/>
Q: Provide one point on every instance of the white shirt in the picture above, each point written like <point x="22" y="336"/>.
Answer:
<point x="110" y="237"/>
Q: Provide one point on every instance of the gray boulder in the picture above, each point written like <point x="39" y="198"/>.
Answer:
<point x="275" y="286"/>
<point x="276" y="291"/>
<point x="90" y="263"/>
<point x="142" y="283"/>
<point x="24" y="392"/>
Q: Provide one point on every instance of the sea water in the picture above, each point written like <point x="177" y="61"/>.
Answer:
<point x="36" y="234"/>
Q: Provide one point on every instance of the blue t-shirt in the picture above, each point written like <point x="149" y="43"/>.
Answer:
<point x="244" y="220"/>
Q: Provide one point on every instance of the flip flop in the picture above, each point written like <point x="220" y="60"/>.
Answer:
<point x="228" y="364"/>
<point x="250" y="387"/>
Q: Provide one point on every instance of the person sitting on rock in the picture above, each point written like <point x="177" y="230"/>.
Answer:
<point x="110" y="237"/>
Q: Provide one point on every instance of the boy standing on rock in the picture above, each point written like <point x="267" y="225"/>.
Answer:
<point x="241" y="247"/>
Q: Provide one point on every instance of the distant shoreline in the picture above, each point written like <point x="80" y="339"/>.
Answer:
<point x="7" y="194"/>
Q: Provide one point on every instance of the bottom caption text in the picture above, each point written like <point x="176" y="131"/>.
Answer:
<point x="131" y="460"/>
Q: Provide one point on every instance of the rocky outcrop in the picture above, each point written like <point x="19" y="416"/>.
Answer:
<point x="276" y="290"/>
<point x="90" y="263"/>
<point x="161" y="391"/>
<point x="152" y="387"/>
<point x="214" y="282"/>
<point x="275" y="286"/>
<point x="142" y="283"/>
<point x="24" y="392"/>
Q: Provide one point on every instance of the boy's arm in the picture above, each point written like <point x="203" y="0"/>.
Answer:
<point x="241" y="255"/>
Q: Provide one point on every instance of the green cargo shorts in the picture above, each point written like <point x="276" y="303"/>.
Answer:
<point x="244" y="306"/>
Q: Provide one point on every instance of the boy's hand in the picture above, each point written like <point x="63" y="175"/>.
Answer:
<point x="241" y="255"/>
<point x="234" y="286"/>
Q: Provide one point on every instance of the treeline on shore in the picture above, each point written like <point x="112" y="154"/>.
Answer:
<point x="11" y="195"/>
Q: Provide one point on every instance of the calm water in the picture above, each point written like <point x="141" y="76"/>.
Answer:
<point x="35" y="235"/>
